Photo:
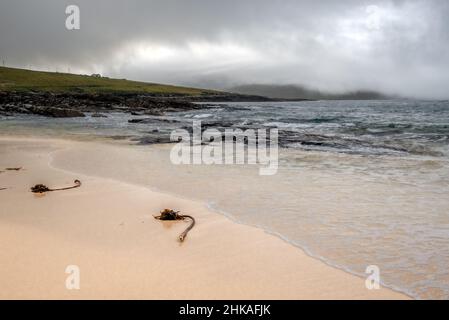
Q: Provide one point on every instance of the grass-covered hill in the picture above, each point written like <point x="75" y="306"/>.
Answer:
<point x="12" y="79"/>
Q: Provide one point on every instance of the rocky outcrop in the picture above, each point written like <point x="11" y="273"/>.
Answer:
<point x="152" y="120"/>
<point x="76" y="104"/>
<point x="56" y="112"/>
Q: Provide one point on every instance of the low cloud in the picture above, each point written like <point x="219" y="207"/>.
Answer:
<point x="398" y="47"/>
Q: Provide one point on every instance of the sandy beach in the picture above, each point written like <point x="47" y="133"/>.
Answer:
<point x="107" y="229"/>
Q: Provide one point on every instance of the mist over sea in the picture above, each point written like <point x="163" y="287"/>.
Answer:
<point x="359" y="183"/>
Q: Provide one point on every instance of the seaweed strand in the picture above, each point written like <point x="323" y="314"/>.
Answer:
<point x="41" y="188"/>
<point x="168" y="214"/>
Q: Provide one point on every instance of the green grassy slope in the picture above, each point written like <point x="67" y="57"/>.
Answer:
<point x="12" y="79"/>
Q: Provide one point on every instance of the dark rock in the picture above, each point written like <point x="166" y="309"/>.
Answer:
<point x="56" y="112"/>
<point x="76" y="103"/>
<point x="152" y="120"/>
<point x="138" y="120"/>
<point x="120" y="137"/>
<point x="154" y="139"/>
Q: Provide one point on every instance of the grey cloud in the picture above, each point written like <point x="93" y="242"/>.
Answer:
<point x="394" y="46"/>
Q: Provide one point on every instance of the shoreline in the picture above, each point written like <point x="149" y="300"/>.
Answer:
<point x="347" y="286"/>
<point x="304" y="249"/>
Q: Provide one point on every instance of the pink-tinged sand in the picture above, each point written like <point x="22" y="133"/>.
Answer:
<point x="107" y="229"/>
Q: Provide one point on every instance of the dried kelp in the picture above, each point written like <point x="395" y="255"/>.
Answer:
<point x="168" y="214"/>
<point x="41" y="188"/>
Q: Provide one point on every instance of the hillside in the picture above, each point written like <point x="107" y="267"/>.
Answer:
<point x="12" y="79"/>
<point x="60" y="95"/>
<point x="295" y="92"/>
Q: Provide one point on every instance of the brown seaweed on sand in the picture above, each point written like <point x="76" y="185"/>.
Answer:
<point x="14" y="169"/>
<point x="3" y="189"/>
<point x="168" y="214"/>
<point x="41" y="188"/>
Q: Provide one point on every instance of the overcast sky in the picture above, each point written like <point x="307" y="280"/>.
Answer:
<point x="395" y="46"/>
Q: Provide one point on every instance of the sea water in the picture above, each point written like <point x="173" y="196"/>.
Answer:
<point x="359" y="183"/>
